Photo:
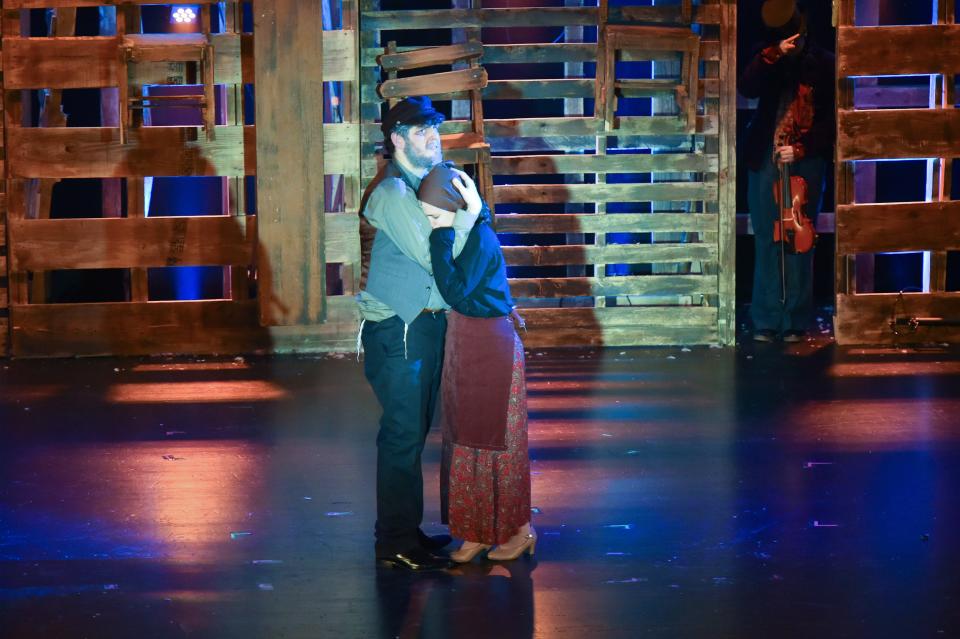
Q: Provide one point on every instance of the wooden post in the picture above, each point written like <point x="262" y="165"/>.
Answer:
<point x="350" y="112"/>
<point x="236" y="284"/>
<point x="939" y="170"/>
<point x="864" y="174"/>
<point x="288" y="53"/>
<point x="845" y="184"/>
<point x="727" y="236"/>
<point x="574" y="107"/>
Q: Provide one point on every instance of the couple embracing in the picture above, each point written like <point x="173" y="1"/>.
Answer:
<point x="439" y="337"/>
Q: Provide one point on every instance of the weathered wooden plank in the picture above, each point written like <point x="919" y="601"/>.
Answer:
<point x="343" y="238"/>
<point x="528" y="17"/>
<point x="418" y="58"/>
<point x="663" y="125"/>
<point x="435" y="83"/>
<point x="163" y="47"/>
<point x="866" y="318"/>
<point x="144" y="328"/>
<point x="513" y="128"/>
<point x="337" y="333"/>
<point x="609" y="254"/>
<point x="565" y="193"/>
<point x="564" y="52"/>
<point x="610" y="286"/>
<point x="537" y="89"/>
<point x="341" y="148"/>
<point x="511" y="53"/>
<point x="63" y="330"/>
<point x="619" y="326"/>
<point x="706" y="88"/>
<point x="291" y="267"/>
<point x="912" y="226"/>
<point x="897" y="133"/>
<point x="93" y="61"/>
<point x="898" y="50"/>
<point x="339" y="55"/>
<point x="97" y="152"/>
<point x="709" y="52"/>
<point x="554" y="89"/>
<point x="613" y="163"/>
<point x="634" y="316"/>
<point x="599" y="336"/>
<point x="672" y="14"/>
<point x="608" y="223"/>
<point x="44" y="245"/>
<point x="567" y="143"/>
<point x="76" y="152"/>
<point x="408" y="19"/>
<point x="60" y="63"/>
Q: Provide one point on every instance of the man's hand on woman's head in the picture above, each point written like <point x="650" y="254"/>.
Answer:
<point x="468" y="190"/>
<point x="437" y="217"/>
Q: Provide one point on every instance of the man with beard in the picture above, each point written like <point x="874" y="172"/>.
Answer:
<point x="404" y="324"/>
<point x="794" y="124"/>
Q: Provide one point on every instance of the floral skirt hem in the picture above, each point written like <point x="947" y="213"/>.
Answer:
<point x="485" y="494"/>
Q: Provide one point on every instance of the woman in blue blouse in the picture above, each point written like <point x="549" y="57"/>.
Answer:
<point x="485" y="474"/>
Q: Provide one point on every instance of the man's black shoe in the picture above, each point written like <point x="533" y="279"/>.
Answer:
<point x="416" y="559"/>
<point x="433" y="542"/>
<point x="764" y="335"/>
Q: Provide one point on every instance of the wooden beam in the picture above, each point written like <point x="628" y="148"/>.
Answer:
<point x="727" y="178"/>
<point x="129" y="328"/>
<point x="553" y="89"/>
<point x="563" y="52"/>
<point x="618" y="163"/>
<point x="866" y="318"/>
<point x="77" y="152"/>
<point x="565" y="127"/>
<point x="97" y="152"/>
<point x="609" y="254"/>
<point x="528" y="17"/>
<point x="611" y="286"/>
<point x="898" y="50"/>
<point x="563" y="193"/>
<point x="897" y="134"/>
<point x="44" y="245"/>
<point x="911" y="226"/>
<point x="619" y="326"/>
<point x="290" y="162"/>
<point x="419" y="58"/>
<point x="92" y="61"/>
<point x="612" y="223"/>
<point x="435" y="83"/>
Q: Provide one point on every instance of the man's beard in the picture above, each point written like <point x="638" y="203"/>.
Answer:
<point x="425" y="161"/>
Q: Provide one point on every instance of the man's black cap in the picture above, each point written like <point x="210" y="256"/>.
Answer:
<point x="412" y="111"/>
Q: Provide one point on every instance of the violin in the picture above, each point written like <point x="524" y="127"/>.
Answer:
<point x="794" y="230"/>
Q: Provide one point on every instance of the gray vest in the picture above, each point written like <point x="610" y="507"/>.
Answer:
<point x="396" y="280"/>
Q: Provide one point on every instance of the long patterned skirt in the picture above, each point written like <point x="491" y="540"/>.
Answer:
<point x="485" y="494"/>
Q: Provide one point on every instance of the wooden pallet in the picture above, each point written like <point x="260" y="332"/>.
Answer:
<point x="865" y="228"/>
<point x="297" y="235"/>
<point x="688" y="295"/>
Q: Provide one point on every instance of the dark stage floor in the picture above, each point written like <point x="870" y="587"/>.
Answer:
<point x="751" y="492"/>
